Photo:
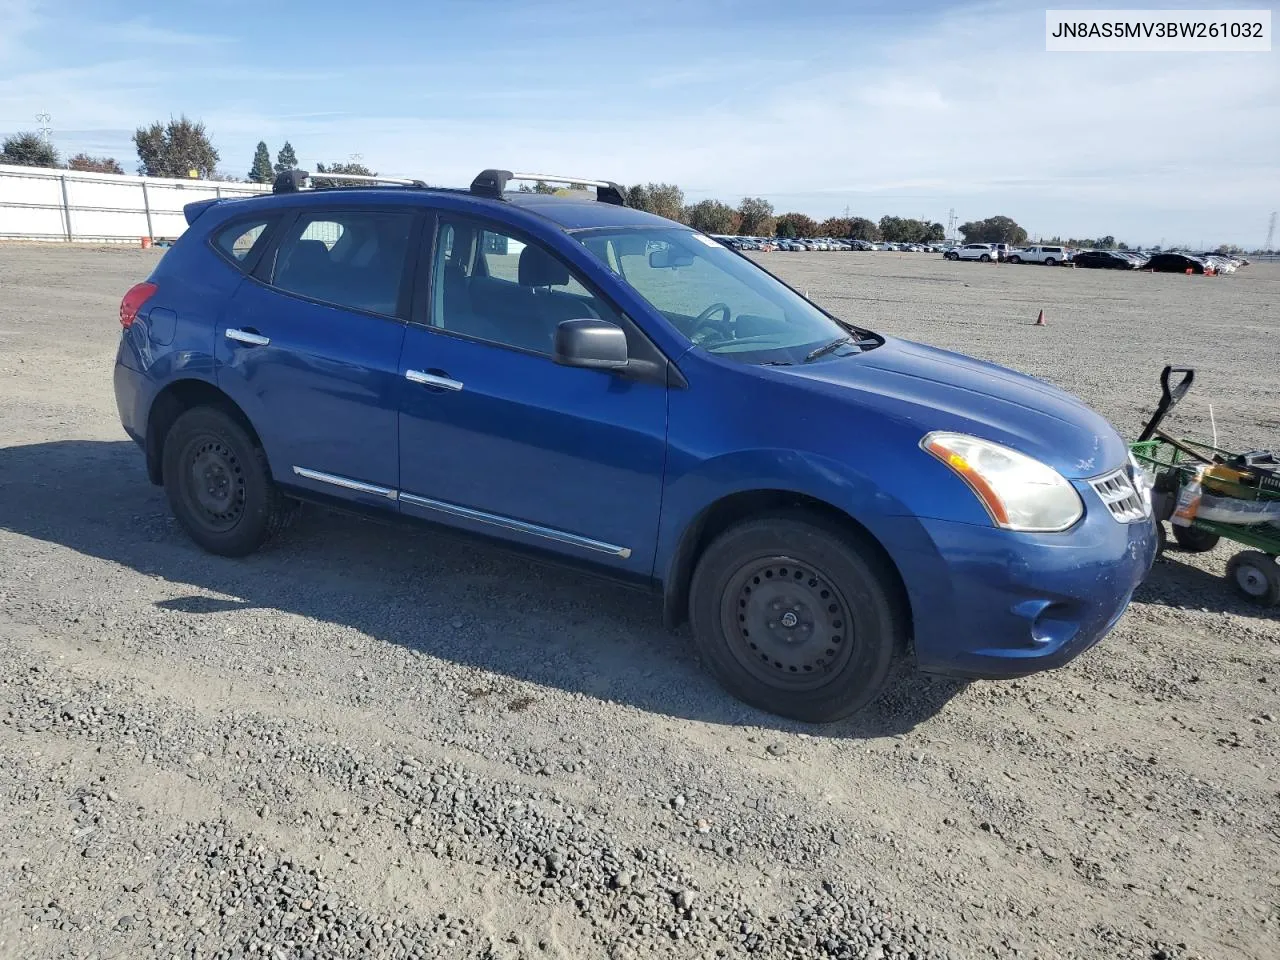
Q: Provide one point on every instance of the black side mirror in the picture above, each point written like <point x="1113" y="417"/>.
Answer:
<point x="594" y="344"/>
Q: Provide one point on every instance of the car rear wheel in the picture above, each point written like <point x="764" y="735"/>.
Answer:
<point x="953" y="256"/>
<point x="985" y="258"/>
<point x="795" y="620"/>
<point x="1195" y="540"/>
<point x="1049" y="261"/>
<point x="219" y="486"/>
<point x="1256" y="575"/>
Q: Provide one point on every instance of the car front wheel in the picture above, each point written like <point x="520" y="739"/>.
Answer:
<point x="219" y="486"/>
<point x="985" y="258"/>
<point x="794" y="619"/>
<point x="953" y="256"/>
<point x="1015" y="259"/>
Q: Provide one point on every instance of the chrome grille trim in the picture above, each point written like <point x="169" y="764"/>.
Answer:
<point x="1126" y="500"/>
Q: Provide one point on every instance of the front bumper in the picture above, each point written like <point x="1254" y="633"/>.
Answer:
<point x="991" y="604"/>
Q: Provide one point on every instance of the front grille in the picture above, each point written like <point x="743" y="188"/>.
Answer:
<point x="1125" y="499"/>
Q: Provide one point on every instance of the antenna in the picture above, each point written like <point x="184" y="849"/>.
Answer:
<point x="1271" y="232"/>
<point x="45" y="131"/>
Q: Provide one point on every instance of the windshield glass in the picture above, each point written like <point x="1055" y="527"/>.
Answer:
<point x="720" y="301"/>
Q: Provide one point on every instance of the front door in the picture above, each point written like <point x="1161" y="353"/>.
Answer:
<point x="310" y="350"/>
<point x="495" y="436"/>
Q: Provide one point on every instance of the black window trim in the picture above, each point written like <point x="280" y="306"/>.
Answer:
<point x="272" y="219"/>
<point x="291" y="216"/>
<point x="424" y="292"/>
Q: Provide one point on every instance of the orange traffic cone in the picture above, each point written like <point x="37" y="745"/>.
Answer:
<point x="1040" y="320"/>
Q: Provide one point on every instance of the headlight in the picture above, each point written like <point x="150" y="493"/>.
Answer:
<point x="1019" y="493"/>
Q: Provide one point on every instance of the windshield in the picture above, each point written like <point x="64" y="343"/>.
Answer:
<point x="720" y="301"/>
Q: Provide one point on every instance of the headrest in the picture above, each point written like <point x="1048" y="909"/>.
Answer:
<point x="539" y="269"/>
<point x="308" y="254"/>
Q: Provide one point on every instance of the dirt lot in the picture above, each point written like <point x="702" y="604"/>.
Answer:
<point x="369" y="742"/>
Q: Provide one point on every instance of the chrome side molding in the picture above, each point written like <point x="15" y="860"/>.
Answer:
<point x="520" y="526"/>
<point x="347" y="483"/>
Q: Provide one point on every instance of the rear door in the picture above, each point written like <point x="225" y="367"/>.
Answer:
<point x="310" y="345"/>
<point x="495" y="436"/>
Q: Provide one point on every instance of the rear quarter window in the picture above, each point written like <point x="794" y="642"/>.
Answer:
<point x="243" y="240"/>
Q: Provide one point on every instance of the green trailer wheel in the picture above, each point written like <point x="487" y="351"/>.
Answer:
<point x="1256" y="575"/>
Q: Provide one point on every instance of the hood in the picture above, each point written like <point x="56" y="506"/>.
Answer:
<point x="932" y="389"/>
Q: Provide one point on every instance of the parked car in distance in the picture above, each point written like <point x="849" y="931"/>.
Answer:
<point x="568" y="378"/>
<point x="1049" y="255"/>
<point x="1175" y="263"/>
<point x="973" y="251"/>
<point x="1102" y="260"/>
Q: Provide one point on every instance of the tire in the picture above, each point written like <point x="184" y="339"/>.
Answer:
<point x="1015" y="259"/>
<point x="953" y="256"/>
<point x="1049" y="261"/>
<point x="985" y="258"/>
<point x="218" y="484"/>
<point x="1162" y="540"/>
<point x="1256" y="576"/>
<point x="1195" y="540"/>
<point x="838" y="630"/>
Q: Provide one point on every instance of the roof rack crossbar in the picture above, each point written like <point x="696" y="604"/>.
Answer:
<point x="291" y="181"/>
<point x="493" y="183"/>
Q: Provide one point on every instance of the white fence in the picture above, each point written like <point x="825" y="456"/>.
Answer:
<point x="37" y="203"/>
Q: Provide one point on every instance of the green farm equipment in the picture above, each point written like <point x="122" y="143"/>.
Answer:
<point x="1207" y="494"/>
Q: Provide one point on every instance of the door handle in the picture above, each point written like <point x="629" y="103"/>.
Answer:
<point x="247" y="337"/>
<point x="432" y="380"/>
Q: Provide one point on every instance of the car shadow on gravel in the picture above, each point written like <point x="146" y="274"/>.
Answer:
<point x="436" y="594"/>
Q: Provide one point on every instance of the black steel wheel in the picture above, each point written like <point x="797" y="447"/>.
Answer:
<point x="218" y="484"/>
<point x="786" y="622"/>
<point x="213" y="481"/>
<point x="797" y="619"/>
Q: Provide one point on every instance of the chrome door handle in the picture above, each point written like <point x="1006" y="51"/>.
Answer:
<point x="247" y="336"/>
<point x="432" y="380"/>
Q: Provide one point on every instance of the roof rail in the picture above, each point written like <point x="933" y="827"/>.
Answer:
<point x="493" y="183"/>
<point x="291" y="181"/>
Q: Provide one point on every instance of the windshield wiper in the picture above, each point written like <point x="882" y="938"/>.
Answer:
<point x="826" y="348"/>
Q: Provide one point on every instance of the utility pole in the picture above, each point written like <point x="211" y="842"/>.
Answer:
<point x="1271" y="231"/>
<point x="45" y="130"/>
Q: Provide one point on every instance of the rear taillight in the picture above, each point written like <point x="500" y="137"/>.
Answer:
<point x="138" y="294"/>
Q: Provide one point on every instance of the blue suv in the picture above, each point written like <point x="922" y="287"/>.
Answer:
<point x="570" y="376"/>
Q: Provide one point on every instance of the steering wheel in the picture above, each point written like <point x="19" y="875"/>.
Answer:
<point x="716" y="328"/>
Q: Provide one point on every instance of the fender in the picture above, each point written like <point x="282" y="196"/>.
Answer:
<point x="780" y="476"/>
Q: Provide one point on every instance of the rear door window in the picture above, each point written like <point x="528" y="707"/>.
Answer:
<point x="349" y="258"/>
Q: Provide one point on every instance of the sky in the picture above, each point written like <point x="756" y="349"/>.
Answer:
<point x="911" y="109"/>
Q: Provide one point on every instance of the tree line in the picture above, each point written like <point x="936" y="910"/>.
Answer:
<point x="182" y="148"/>
<point x="755" y="217"/>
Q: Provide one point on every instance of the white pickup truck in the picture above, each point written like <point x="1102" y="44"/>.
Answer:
<point x="1049" y="256"/>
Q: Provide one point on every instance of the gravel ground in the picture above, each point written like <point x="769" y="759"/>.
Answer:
<point x="377" y="743"/>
